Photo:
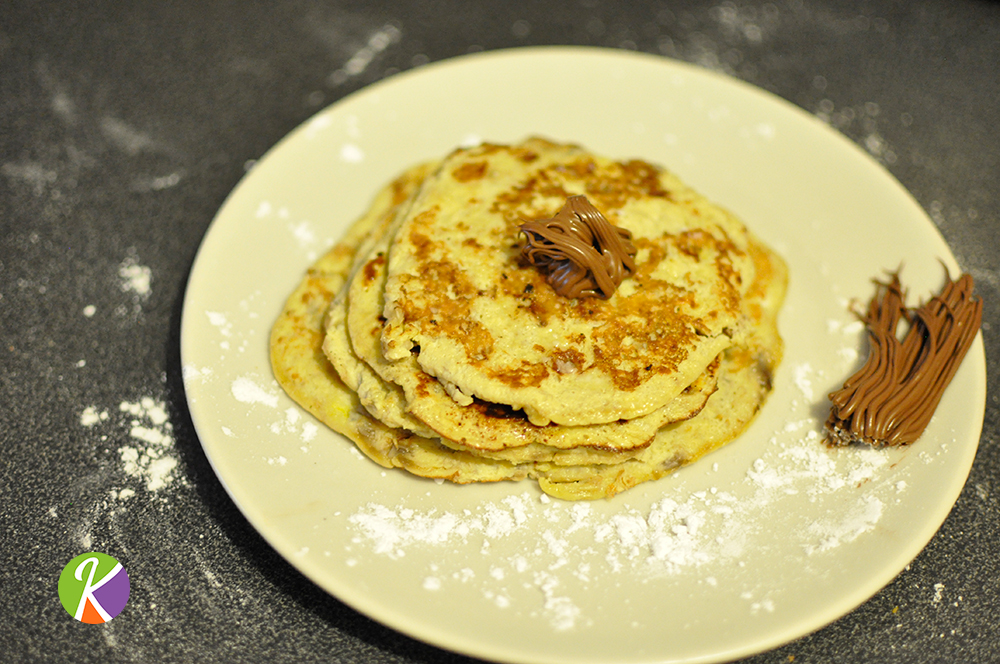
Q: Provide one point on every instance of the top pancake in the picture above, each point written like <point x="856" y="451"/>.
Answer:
<point x="486" y="325"/>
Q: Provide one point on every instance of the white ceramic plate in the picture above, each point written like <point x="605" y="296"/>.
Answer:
<point x="764" y="541"/>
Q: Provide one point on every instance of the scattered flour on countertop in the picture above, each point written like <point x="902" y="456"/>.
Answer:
<point x="294" y="423"/>
<point x="304" y="233"/>
<point x="191" y="373"/>
<point x="471" y="141"/>
<point x="150" y="458"/>
<point x="149" y="455"/>
<point x="802" y="373"/>
<point x="938" y="593"/>
<point x="89" y="417"/>
<point x="134" y="277"/>
<point x="378" y="41"/>
<point x="317" y="125"/>
<point x="248" y="390"/>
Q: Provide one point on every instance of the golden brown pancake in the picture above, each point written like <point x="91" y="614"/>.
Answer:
<point x="327" y="346"/>
<point x="495" y="430"/>
<point x="487" y="326"/>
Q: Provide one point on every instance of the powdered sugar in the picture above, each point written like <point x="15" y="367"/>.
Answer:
<point x="680" y="534"/>
<point x="135" y="278"/>
<point x="89" y="417"/>
<point x="534" y="556"/>
<point x="351" y="153"/>
<point x="148" y="455"/>
<point x="855" y="520"/>
<point x="246" y="390"/>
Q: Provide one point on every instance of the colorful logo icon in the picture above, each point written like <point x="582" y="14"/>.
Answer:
<point x="94" y="588"/>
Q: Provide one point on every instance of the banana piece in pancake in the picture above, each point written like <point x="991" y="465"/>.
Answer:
<point x="489" y="429"/>
<point x="489" y="327"/>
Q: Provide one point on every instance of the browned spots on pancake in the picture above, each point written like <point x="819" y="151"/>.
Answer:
<point x="651" y="332"/>
<point x="372" y="268"/>
<point x="499" y="411"/>
<point x="518" y="204"/>
<point x="317" y="296"/>
<point x="695" y="243"/>
<point x="340" y="251"/>
<point x="528" y="287"/>
<point x="608" y="186"/>
<point x="450" y="314"/>
<point x="401" y="188"/>
<point x="424" y="385"/>
<point x="568" y="360"/>
<point x="764" y="274"/>
<point x="526" y="155"/>
<point x="423" y="246"/>
<point x="476" y="339"/>
<point x="470" y="170"/>
<point x="539" y="311"/>
<point x="449" y="311"/>
<point x="645" y="335"/>
<point x="528" y="374"/>
<point x="610" y="191"/>
<point x="648" y="337"/>
<point x="612" y="186"/>
<point x="634" y="338"/>
<point x="692" y="242"/>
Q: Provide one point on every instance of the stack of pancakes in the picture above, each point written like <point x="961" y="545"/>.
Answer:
<point x="425" y="337"/>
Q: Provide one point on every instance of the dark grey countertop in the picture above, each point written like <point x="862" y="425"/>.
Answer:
<point x="123" y="127"/>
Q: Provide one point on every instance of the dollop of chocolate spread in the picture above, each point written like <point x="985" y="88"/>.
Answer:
<point x="580" y="251"/>
<point x="891" y="399"/>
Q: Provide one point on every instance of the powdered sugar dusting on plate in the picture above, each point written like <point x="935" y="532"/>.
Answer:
<point x="247" y="390"/>
<point x="702" y="531"/>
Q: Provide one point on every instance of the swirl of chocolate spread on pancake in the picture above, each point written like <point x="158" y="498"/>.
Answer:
<point x="891" y="399"/>
<point x="582" y="253"/>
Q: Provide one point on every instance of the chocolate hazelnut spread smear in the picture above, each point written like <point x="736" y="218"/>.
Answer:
<point x="891" y="399"/>
<point x="581" y="252"/>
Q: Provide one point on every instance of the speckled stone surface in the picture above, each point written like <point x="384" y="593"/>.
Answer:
<point x="123" y="127"/>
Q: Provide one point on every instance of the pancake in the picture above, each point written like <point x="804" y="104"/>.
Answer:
<point x="332" y="345"/>
<point x="303" y="371"/>
<point x="487" y="326"/>
<point x="306" y="375"/>
<point x="494" y="430"/>
<point x="745" y="380"/>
